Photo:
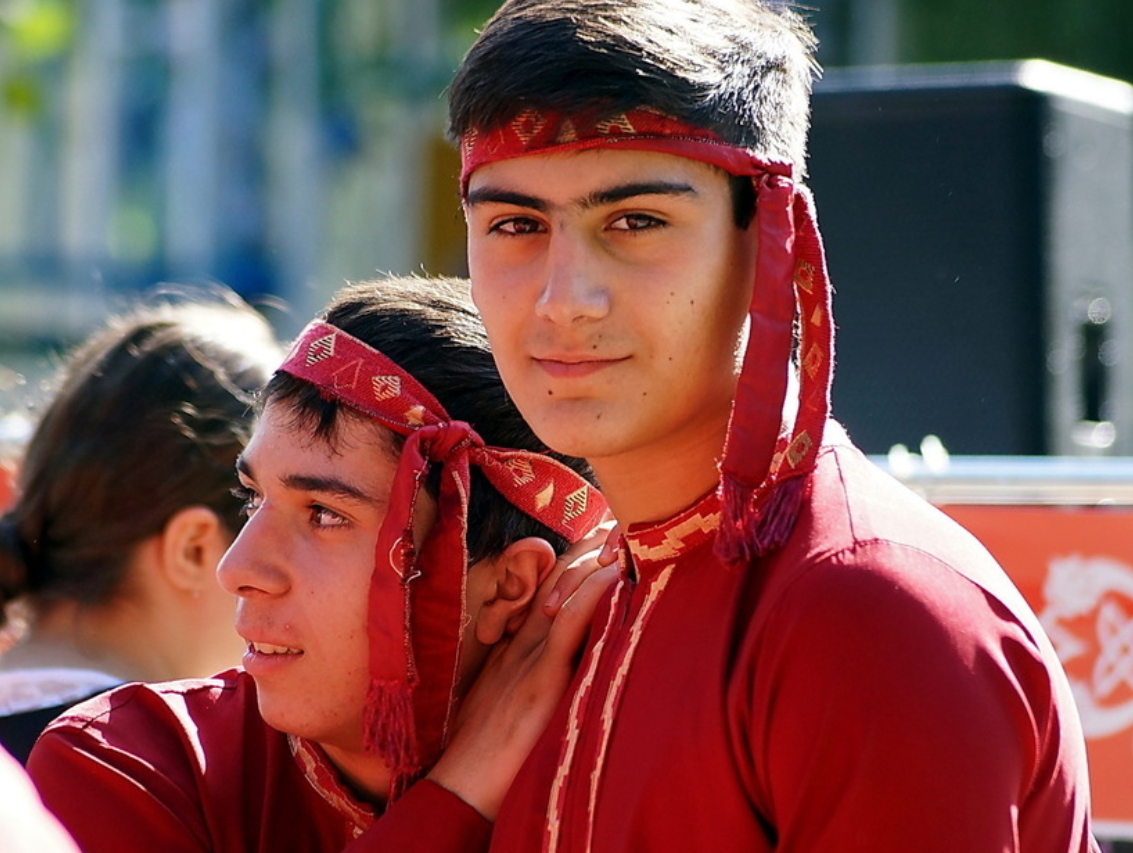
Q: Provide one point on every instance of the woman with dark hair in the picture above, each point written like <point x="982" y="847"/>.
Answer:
<point x="108" y="554"/>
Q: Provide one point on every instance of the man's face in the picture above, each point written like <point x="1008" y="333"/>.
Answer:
<point x="614" y="286"/>
<point x="301" y="568"/>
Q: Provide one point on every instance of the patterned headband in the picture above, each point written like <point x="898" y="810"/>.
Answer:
<point x="764" y="468"/>
<point x="421" y="596"/>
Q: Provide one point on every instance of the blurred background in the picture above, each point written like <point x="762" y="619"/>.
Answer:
<point x="972" y="162"/>
<point x="284" y="146"/>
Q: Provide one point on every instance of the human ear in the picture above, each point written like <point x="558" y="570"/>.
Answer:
<point x="192" y="543"/>
<point x="511" y="581"/>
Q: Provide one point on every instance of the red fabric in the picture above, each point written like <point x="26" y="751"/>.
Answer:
<point x="764" y="465"/>
<point x="189" y="767"/>
<point x="411" y="699"/>
<point x="875" y="686"/>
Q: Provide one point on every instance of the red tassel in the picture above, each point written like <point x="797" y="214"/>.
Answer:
<point x="389" y="726"/>
<point x="755" y="525"/>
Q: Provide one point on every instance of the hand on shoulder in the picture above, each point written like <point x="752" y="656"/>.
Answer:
<point x="525" y="677"/>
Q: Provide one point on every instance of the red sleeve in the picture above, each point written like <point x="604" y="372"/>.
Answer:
<point x="900" y="707"/>
<point x="428" y="819"/>
<point x="138" y="769"/>
<point x="111" y="801"/>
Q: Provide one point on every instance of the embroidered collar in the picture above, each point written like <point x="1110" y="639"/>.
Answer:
<point x="657" y="544"/>
<point x="324" y="779"/>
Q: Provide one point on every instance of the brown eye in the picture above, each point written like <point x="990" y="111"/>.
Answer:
<point x="636" y="222"/>
<point x="517" y="226"/>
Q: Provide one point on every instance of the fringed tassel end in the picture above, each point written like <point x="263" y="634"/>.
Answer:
<point x="390" y="732"/>
<point x="754" y="525"/>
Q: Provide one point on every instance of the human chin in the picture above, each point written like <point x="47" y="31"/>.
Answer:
<point x="574" y="427"/>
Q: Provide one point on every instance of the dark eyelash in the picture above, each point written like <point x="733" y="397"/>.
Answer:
<point x="245" y="496"/>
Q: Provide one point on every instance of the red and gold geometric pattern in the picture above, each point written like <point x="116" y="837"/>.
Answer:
<point x="420" y="595"/>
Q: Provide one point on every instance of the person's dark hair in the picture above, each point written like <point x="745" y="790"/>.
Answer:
<point x="432" y="330"/>
<point x="149" y="416"/>
<point x="741" y="68"/>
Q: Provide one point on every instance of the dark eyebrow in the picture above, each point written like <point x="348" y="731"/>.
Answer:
<point x="490" y="194"/>
<point x="610" y="195"/>
<point x="624" y="191"/>
<point x="316" y="483"/>
<point x="331" y="486"/>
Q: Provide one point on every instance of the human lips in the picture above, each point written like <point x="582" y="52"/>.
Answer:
<point x="574" y="366"/>
<point x="272" y="649"/>
<point x="263" y="658"/>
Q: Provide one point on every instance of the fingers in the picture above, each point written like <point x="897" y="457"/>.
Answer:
<point x="609" y="553"/>
<point x="579" y="562"/>
<point x="572" y="620"/>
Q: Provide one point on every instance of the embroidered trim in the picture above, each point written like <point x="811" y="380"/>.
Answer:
<point x="678" y="535"/>
<point x="578" y="706"/>
<point x="614" y="694"/>
<point x="325" y="782"/>
<point x="581" y="703"/>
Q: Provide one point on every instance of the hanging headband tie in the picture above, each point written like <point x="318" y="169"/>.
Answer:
<point x="764" y="466"/>
<point x="417" y="600"/>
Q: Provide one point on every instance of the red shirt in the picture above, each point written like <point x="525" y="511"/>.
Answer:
<point x="876" y="685"/>
<point x="191" y="766"/>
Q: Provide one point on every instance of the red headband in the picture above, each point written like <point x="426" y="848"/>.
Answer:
<point x="413" y="683"/>
<point x="764" y="468"/>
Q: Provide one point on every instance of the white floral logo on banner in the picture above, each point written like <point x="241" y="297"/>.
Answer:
<point x="1089" y="618"/>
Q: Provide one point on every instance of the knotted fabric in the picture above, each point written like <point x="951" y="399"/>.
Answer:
<point x="417" y="607"/>
<point x="765" y="463"/>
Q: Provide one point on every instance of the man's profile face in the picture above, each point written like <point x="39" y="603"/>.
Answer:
<point x="301" y="568"/>
<point x="614" y="286"/>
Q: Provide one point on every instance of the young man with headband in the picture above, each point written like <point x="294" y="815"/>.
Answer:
<point x="402" y="518"/>
<point x="799" y="655"/>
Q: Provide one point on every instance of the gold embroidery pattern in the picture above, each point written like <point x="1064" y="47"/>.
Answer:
<point x="528" y="124"/>
<point x="520" y="469"/>
<point x="804" y="276"/>
<point x="320" y="350"/>
<point x="799" y="448"/>
<point x="386" y="387"/>
<point x="675" y="538"/>
<point x="614" y="693"/>
<point x="574" y="720"/>
<point x="545" y="496"/>
<point x="470" y="141"/>
<point x="575" y="504"/>
<point x="567" y="132"/>
<point x="813" y="360"/>
<point x="615" y="125"/>
<point x="325" y="783"/>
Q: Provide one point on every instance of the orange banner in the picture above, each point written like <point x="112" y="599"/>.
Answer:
<point x="1075" y="567"/>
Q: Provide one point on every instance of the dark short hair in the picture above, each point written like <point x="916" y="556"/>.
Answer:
<point x="741" y="68"/>
<point x="150" y="414"/>
<point x="430" y="328"/>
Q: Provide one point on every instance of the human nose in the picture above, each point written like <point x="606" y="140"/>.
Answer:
<point x="255" y="562"/>
<point x="573" y="288"/>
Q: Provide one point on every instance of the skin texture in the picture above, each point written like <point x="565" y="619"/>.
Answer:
<point x="614" y="286"/>
<point x="301" y="570"/>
